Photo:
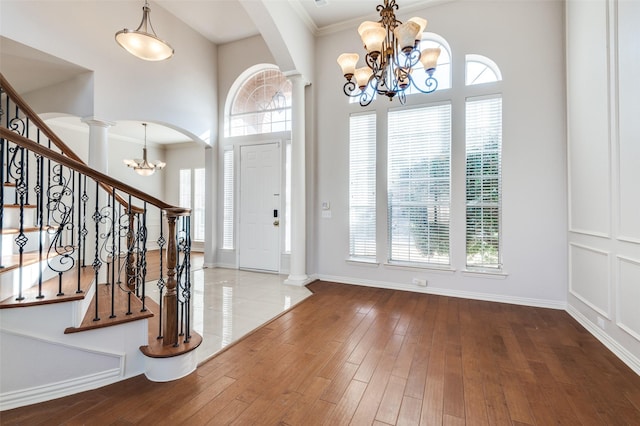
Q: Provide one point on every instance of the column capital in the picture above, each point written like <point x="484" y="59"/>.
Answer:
<point x="296" y="77"/>
<point x="93" y="121"/>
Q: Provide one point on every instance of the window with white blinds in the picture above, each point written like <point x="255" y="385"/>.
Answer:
<point x="362" y="186"/>
<point x="418" y="184"/>
<point x="198" y="204"/>
<point x="227" y="221"/>
<point x="185" y="188"/>
<point x="483" y="172"/>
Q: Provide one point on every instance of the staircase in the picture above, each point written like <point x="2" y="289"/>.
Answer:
<point x="79" y="250"/>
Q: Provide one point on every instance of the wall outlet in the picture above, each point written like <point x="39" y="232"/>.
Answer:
<point x="420" y="281"/>
<point x="601" y="322"/>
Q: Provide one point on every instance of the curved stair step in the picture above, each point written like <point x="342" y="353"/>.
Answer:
<point x="122" y="303"/>
<point x="50" y="289"/>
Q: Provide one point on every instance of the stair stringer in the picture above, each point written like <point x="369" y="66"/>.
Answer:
<point x="38" y="362"/>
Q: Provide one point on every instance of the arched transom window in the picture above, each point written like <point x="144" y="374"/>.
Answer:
<point x="262" y="104"/>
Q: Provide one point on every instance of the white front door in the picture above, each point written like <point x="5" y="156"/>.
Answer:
<point x="259" y="230"/>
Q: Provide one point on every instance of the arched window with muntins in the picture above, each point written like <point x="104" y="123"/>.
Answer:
<point x="261" y="104"/>
<point x="480" y="69"/>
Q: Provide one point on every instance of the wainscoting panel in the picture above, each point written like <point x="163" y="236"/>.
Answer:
<point x="629" y="125"/>
<point x="589" y="277"/>
<point x="589" y="149"/>
<point x="628" y="295"/>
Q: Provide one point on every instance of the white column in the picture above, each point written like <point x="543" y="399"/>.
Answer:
<point x="98" y="146"/>
<point x="98" y="160"/>
<point x="210" y="207"/>
<point x="298" y="267"/>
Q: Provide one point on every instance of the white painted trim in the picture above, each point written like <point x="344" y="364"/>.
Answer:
<point x="589" y="233"/>
<point x="171" y="368"/>
<point x="607" y="313"/>
<point x="626" y="239"/>
<point x="48" y="340"/>
<point x="621" y="352"/>
<point x="51" y="391"/>
<point x="619" y="261"/>
<point x="514" y="300"/>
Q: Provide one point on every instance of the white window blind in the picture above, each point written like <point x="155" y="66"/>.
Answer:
<point x="198" y="204"/>
<point x="418" y="185"/>
<point x="185" y="188"/>
<point x="227" y="221"/>
<point x="484" y="186"/>
<point x="362" y="186"/>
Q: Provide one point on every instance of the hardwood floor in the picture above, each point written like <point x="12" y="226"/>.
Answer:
<point x="358" y="355"/>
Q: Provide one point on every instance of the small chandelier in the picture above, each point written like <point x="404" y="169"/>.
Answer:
<point x="393" y="50"/>
<point x="142" y="43"/>
<point x="142" y="166"/>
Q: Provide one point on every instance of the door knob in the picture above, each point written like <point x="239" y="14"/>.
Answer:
<point x="276" y="223"/>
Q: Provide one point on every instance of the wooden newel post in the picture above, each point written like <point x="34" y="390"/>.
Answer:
<point x="170" y="301"/>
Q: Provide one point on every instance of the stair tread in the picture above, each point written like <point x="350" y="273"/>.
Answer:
<point x="12" y="261"/>
<point x="17" y="206"/>
<point x="155" y="348"/>
<point x="9" y="231"/>
<point x="50" y="290"/>
<point x="104" y="310"/>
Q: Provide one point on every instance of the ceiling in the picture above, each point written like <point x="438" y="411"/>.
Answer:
<point x="220" y="21"/>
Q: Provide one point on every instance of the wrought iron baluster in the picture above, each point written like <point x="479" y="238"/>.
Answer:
<point x="26" y="162"/>
<point x="143" y="280"/>
<point x="130" y="270"/>
<point x="78" y="190"/>
<point x="96" y="259"/>
<point x="120" y="226"/>
<point x="40" y="211"/>
<point x="21" y="239"/>
<point x="187" y="278"/>
<point x="113" y="251"/>
<point x="84" y="231"/>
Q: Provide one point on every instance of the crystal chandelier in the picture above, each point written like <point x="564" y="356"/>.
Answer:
<point x="141" y="165"/>
<point x="143" y="43"/>
<point x="393" y="51"/>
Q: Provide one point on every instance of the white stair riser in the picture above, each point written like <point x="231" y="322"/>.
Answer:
<point x="9" y="245"/>
<point x="28" y="275"/>
<point x="11" y="217"/>
<point x="9" y="194"/>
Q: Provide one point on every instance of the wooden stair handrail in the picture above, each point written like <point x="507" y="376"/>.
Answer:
<point x="88" y="171"/>
<point x="46" y="130"/>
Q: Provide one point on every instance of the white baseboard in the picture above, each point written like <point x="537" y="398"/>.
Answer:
<point x="625" y="356"/>
<point x="51" y="391"/>
<point x="525" y="301"/>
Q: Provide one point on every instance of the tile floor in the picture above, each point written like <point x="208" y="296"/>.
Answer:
<point x="229" y="303"/>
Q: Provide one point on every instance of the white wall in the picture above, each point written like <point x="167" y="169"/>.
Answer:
<point x="179" y="92"/>
<point x="603" y="64"/>
<point x="534" y="196"/>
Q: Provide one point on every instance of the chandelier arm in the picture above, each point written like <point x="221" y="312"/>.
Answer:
<point x="402" y="96"/>
<point x="349" y="88"/>
<point x="365" y="98"/>
<point x="430" y="82"/>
